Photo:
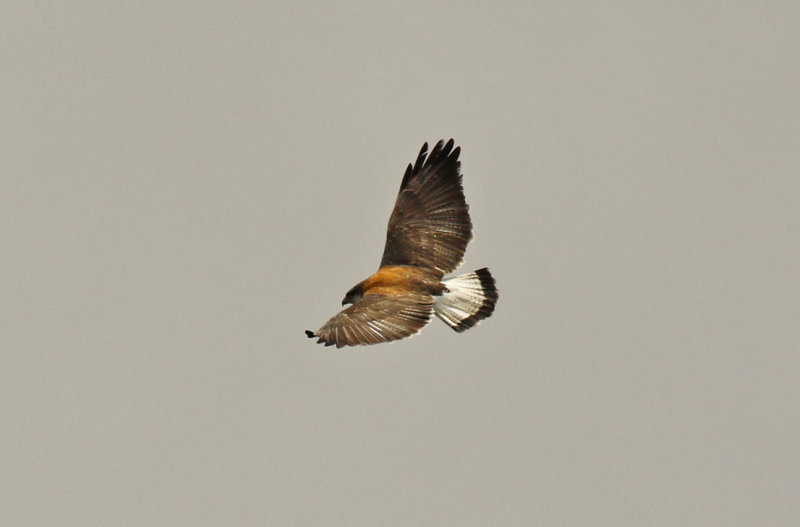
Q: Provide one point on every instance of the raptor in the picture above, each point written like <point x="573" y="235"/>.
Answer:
<point x="428" y="232"/>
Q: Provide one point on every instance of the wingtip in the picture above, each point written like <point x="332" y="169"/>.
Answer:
<point x="310" y="334"/>
<point x="445" y="150"/>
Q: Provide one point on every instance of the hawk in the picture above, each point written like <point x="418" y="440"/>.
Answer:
<point x="427" y="235"/>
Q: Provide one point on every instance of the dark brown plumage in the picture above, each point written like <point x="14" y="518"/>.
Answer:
<point x="430" y="224"/>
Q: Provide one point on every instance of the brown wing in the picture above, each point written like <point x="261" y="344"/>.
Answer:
<point x="430" y="225"/>
<point x="375" y="319"/>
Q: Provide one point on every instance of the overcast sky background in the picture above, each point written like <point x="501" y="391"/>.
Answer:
<point x="187" y="187"/>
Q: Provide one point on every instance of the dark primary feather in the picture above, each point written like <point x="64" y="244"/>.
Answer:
<point x="430" y="224"/>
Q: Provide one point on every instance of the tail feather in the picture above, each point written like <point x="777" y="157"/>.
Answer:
<point x="468" y="299"/>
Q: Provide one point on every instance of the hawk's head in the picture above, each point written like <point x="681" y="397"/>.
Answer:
<point x="355" y="294"/>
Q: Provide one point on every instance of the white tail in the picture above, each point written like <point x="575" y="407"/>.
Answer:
<point x="468" y="299"/>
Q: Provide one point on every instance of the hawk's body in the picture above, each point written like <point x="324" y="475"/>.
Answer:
<point x="427" y="235"/>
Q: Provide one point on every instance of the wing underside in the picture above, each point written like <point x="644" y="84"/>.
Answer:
<point x="430" y="224"/>
<point x="375" y="319"/>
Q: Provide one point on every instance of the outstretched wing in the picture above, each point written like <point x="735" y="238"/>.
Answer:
<point x="375" y="319"/>
<point x="430" y="225"/>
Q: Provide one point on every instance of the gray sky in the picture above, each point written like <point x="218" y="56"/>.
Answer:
<point x="187" y="188"/>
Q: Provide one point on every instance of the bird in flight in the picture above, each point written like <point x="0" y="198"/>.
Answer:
<point x="428" y="232"/>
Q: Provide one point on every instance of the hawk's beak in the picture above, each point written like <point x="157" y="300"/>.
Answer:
<point x="345" y="301"/>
